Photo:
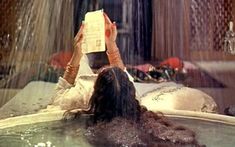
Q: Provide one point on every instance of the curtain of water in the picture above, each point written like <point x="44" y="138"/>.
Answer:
<point x="43" y="27"/>
<point x="142" y="28"/>
<point x="40" y="28"/>
<point x="170" y="29"/>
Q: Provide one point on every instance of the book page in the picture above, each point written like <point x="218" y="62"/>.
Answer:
<point x="94" y="32"/>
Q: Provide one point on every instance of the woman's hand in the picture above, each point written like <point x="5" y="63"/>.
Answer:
<point x="110" y="31"/>
<point x="74" y="63"/>
<point x="78" y="40"/>
<point x="77" y="54"/>
<point x="110" y="40"/>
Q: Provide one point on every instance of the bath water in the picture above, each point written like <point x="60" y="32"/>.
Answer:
<point x="70" y="134"/>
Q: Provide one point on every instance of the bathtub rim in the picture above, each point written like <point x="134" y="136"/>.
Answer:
<point x="58" y="115"/>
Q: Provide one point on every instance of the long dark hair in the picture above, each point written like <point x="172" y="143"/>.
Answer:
<point x="114" y="96"/>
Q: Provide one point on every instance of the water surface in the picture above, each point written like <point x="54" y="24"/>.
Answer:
<point x="69" y="134"/>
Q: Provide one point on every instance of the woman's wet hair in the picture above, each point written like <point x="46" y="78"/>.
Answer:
<point x="114" y="98"/>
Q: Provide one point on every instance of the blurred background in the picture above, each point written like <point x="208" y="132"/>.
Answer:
<point x="36" y="40"/>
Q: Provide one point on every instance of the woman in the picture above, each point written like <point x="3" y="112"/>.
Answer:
<point x="119" y="120"/>
<point x="75" y="88"/>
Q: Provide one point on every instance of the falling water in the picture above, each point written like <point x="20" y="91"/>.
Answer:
<point x="36" y="29"/>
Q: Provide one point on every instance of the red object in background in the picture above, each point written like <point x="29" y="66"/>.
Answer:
<point x="60" y="59"/>
<point x="173" y="62"/>
<point x="144" y="67"/>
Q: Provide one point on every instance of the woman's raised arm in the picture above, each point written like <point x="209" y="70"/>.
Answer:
<point x="74" y="63"/>
<point x="110" y="40"/>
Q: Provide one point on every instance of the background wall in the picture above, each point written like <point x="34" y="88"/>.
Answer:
<point x="233" y="12"/>
<point x="209" y="23"/>
<point x="191" y="29"/>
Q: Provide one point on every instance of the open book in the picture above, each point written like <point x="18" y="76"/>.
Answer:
<point x="94" y="32"/>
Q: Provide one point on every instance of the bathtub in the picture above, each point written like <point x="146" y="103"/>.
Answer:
<point x="213" y="130"/>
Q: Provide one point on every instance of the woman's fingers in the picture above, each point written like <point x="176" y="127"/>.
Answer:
<point x="107" y="25"/>
<point x="79" y="35"/>
<point x="106" y="18"/>
<point x="114" y="27"/>
<point x="80" y="32"/>
<point x="114" y="31"/>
